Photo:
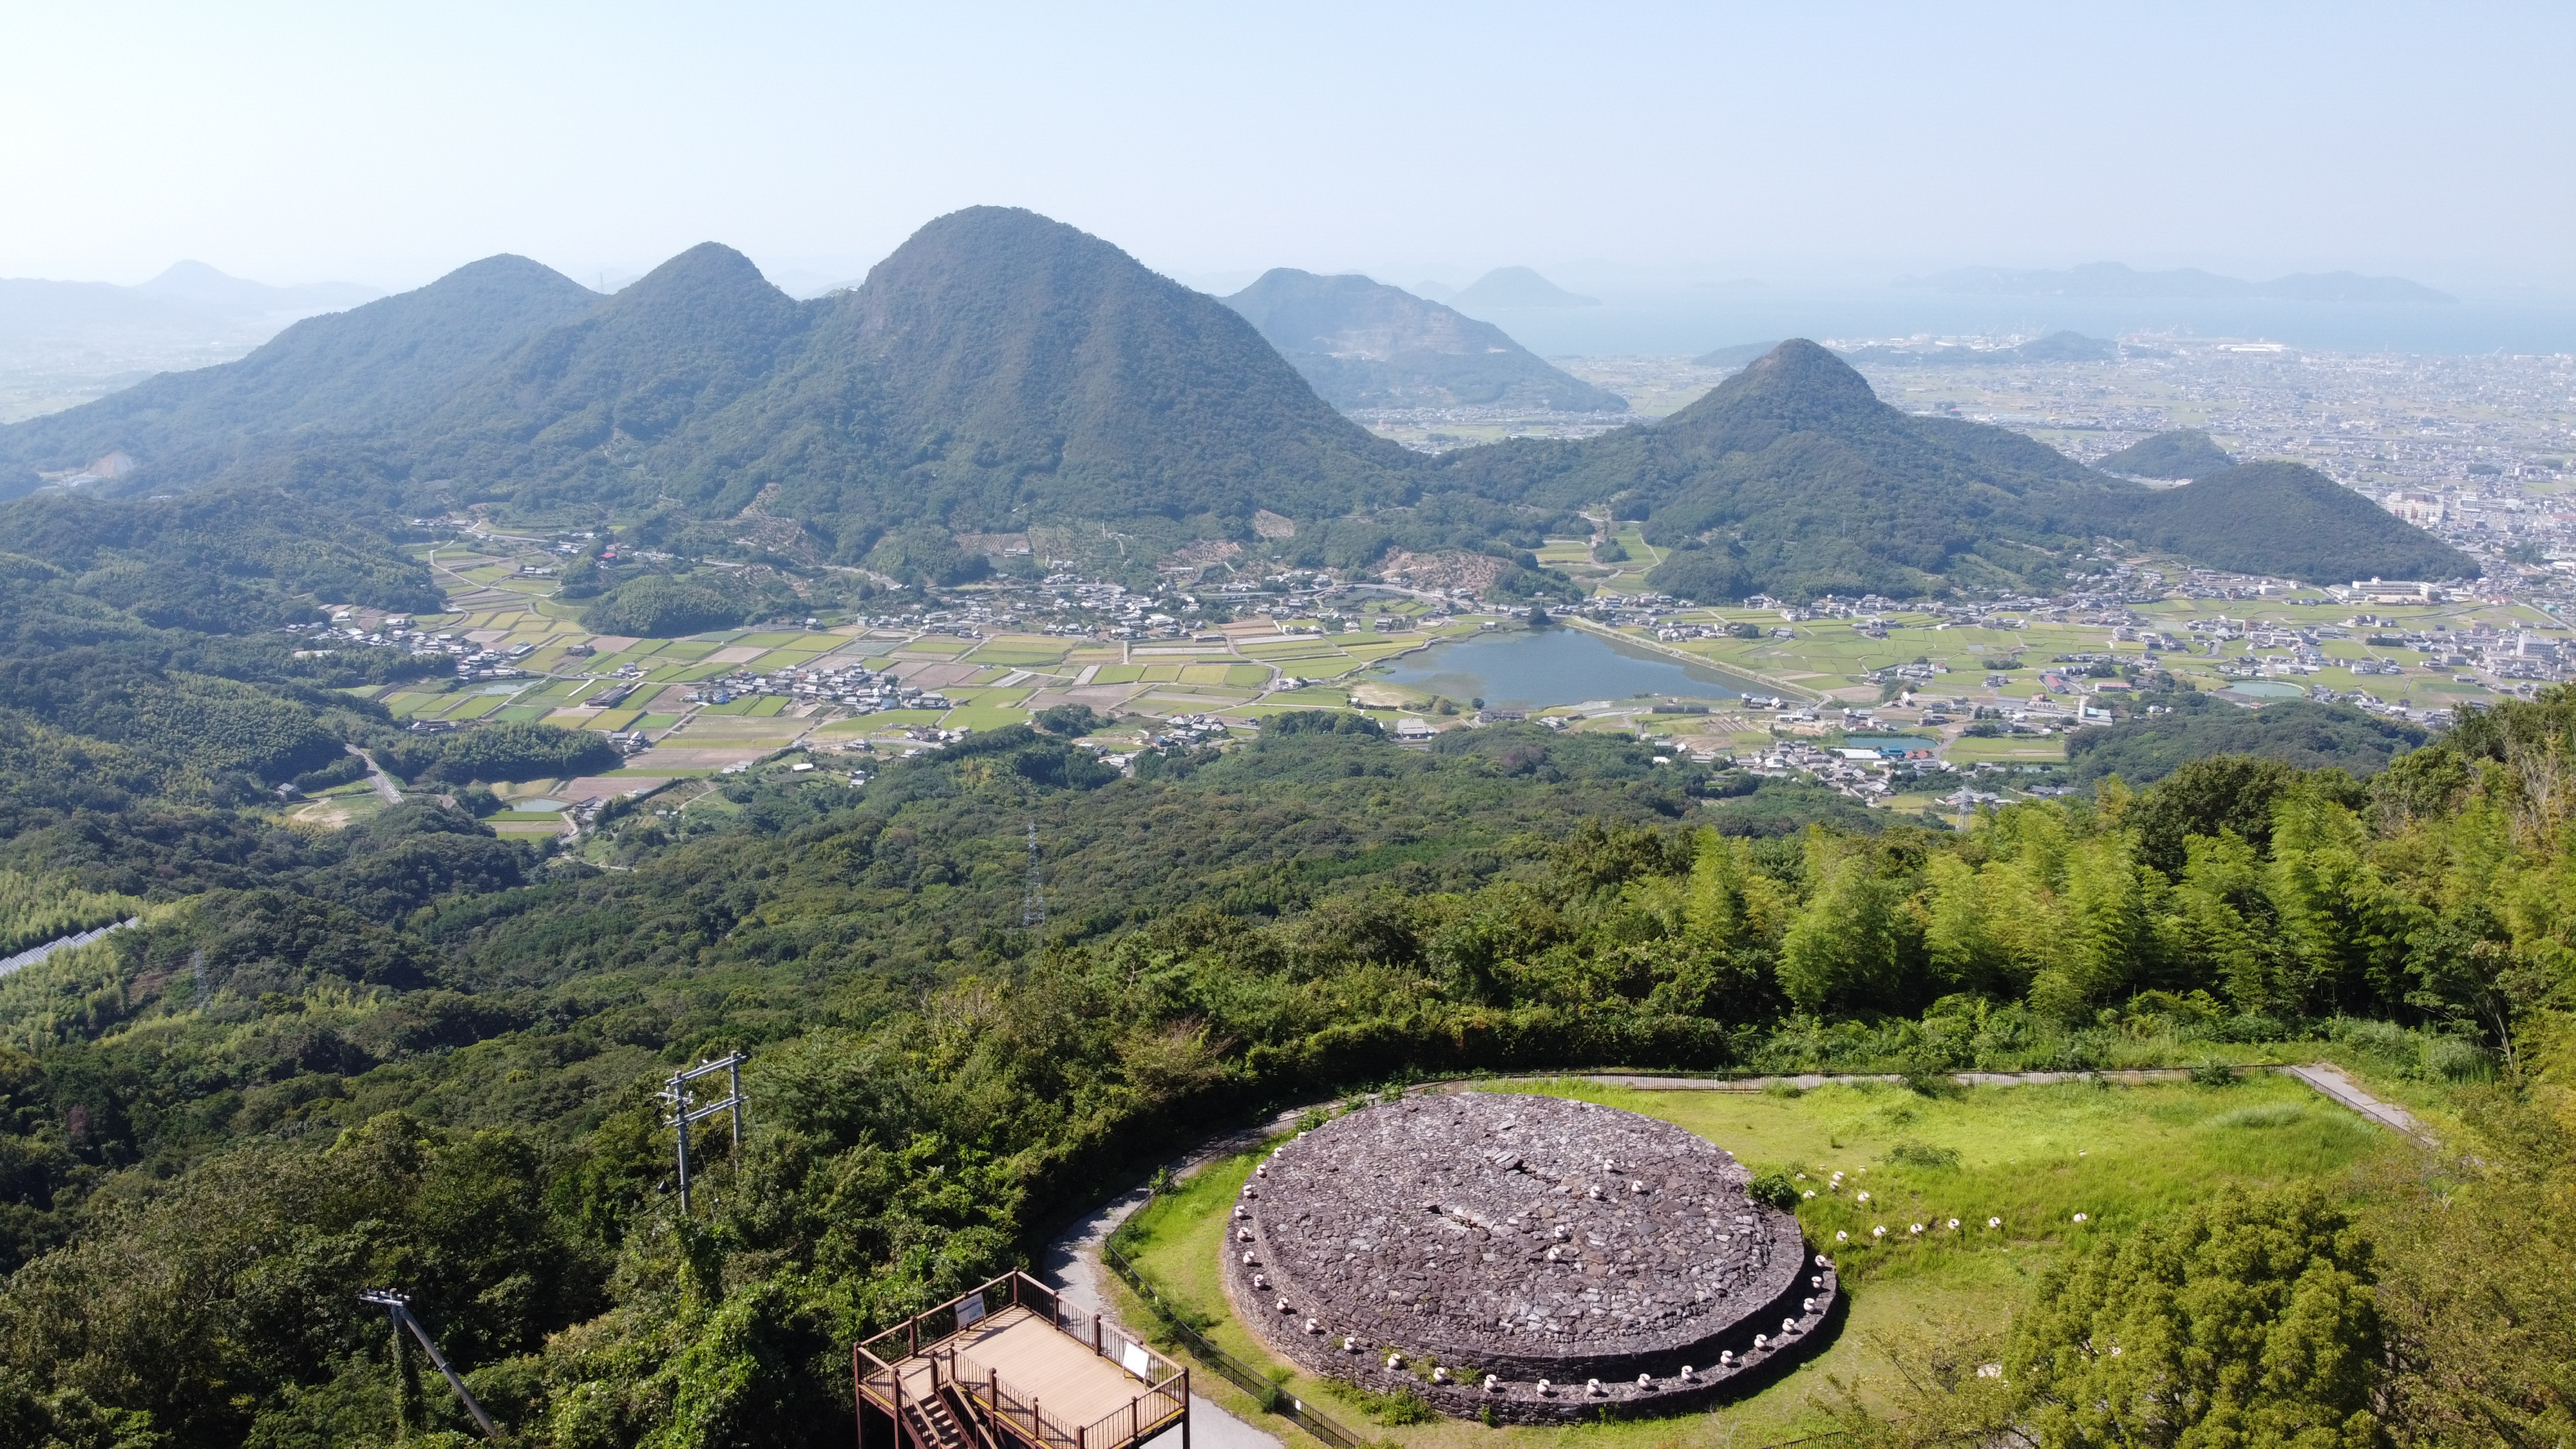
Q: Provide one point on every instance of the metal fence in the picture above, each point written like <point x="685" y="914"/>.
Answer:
<point x="1242" y="1375"/>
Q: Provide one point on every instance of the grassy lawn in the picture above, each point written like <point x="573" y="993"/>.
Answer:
<point x="2031" y="1156"/>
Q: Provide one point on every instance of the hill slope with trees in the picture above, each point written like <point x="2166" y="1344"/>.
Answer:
<point x="1362" y="344"/>
<point x="364" y="374"/>
<point x="1001" y="369"/>
<point x="408" y="1053"/>
<point x="1792" y="478"/>
<point x="2184" y="453"/>
<point x="997" y="367"/>
<point x="2285" y="519"/>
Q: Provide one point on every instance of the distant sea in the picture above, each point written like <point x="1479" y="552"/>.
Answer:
<point x="1700" y="321"/>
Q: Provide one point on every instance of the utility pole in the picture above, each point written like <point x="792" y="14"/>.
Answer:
<point x="398" y="1306"/>
<point x="684" y="1111"/>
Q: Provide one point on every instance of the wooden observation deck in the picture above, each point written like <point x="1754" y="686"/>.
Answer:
<point x="1010" y="1366"/>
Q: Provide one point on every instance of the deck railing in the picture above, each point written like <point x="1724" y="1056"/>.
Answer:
<point x="875" y="1368"/>
<point x="1243" y="1375"/>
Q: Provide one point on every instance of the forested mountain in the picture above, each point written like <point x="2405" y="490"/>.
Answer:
<point x="1792" y="478"/>
<point x="365" y="374"/>
<point x="998" y="368"/>
<point x="1362" y="344"/>
<point x="1028" y="370"/>
<point x="2286" y="519"/>
<point x="2184" y="453"/>
<point x="1001" y="369"/>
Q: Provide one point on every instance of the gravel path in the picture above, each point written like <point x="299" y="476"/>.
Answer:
<point x="1072" y="1266"/>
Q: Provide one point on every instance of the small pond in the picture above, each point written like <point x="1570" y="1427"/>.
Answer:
<point x="1536" y="668"/>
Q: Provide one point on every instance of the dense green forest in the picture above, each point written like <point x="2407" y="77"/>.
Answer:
<point x="1791" y="477"/>
<point x="2286" y="519"/>
<point x="2182" y="453"/>
<point x="2145" y="748"/>
<point x="413" y="1053"/>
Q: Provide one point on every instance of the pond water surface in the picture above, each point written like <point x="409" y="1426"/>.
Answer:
<point x="1536" y="668"/>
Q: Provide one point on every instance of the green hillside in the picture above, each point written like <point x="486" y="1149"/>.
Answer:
<point x="998" y="368"/>
<point x="1001" y="368"/>
<point x="606" y="407"/>
<point x="1792" y="478"/>
<point x="2297" y="732"/>
<point x="1362" y="344"/>
<point x="363" y="373"/>
<point x="2182" y="453"/>
<point x="2283" y="519"/>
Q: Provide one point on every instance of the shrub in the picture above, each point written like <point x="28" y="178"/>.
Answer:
<point x="1910" y="1153"/>
<point x="2242" y="1320"/>
<point x="1774" y="1187"/>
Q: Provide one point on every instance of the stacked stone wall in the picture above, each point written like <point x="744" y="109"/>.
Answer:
<point x="1584" y="1258"/>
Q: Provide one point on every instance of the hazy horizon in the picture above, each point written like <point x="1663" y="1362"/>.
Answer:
<point x="295" y="144"/>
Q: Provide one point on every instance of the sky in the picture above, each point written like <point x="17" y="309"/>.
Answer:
<point x="386" y="143"/>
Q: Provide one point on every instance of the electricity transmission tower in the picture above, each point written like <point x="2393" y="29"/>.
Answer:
<point x="684" y="1109"/>
<point x="1033" y="896"/>
<point x="398" y="1307"/>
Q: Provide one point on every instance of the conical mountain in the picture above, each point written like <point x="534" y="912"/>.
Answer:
<point x="1001" y="369"/>
<point x="2285" y="519"/>
<point x="1363" y="344"/>
<point x="2184" y="454"/>
<point x="1046" y="370"/>
<point x="365" y="372"/>
<point x="1792" y="478"/>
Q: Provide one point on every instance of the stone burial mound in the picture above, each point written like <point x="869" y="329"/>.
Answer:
<point x="1526" y="1259"/>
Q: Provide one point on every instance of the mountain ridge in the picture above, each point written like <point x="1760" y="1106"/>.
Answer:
<point x="1792" y="478"/>
<point x="1363" y="344"/>
<point x="1001" y="369"/>
<point x="342" y="374"/>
